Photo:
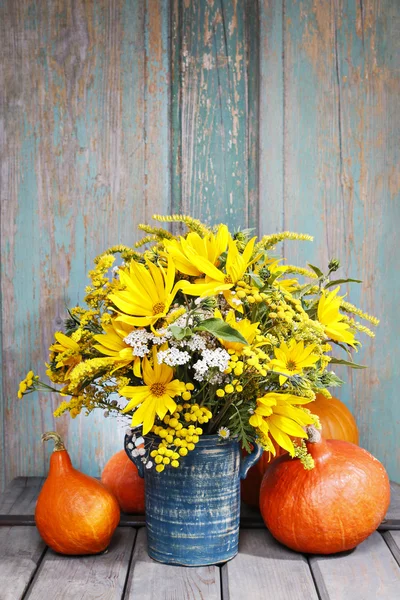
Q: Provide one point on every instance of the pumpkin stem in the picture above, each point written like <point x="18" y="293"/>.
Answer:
<point x="58" y="443"/>
<point x="314" y="436"/>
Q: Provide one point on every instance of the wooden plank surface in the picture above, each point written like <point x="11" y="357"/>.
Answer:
<point x="394" y="508"/>
<point x="214" y="99"/>
<point x="262" y="569"/>
<point x="392" y="538"/>
<point x="20" y="496"/>
<point x="85" y="128"/>
<point x="266" y="569"/>
<point x="150" y="580"/>
<point x="100" y="577"/>
<point x="367" y="573"/>
<point x="21" y="549"/>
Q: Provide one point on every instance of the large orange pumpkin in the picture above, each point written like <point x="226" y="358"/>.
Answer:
<point x="75" y="514"/>
<point x="330" y="508"/>
<point x="337" y="424"/>
<point x="121" y="477"/>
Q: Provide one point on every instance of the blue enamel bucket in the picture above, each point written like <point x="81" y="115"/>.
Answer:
<point x="193" y="511"/>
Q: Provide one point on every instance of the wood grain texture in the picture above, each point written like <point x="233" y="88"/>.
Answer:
<point x="214" y="106"/>
<point x="271" y="122"/>
<point x="392" y="538"/>
<point x="150" y="580"/>
<point x="19" y="497"/>
<point x="341" y="157"/>
<point x="85" y="141"/>
<point x="367" y="573"/>
<point x="21" y="549"/>
<point x="266" y="569"/>
<point x="394" y="508"/>
<point x="100" y="577"/>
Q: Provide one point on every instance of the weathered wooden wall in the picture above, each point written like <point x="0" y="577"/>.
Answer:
<point x="330" y="166"/>
<point x="85" y="159"/>
<point x="270" y="114"/>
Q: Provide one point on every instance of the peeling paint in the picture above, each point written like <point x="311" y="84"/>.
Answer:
<point x="78" y="154"/>
<point x="211" y="111"/>
<point x="341" y="167"/>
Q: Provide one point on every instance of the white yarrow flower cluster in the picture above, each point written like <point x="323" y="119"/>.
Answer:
<point x="196" y="342"/>
<point x="218" y="358"/>
<point x="138" y="339"/>
<point x="173" y="357"/>
<point x="163" y="335"/>
<point x="183" y="321"/>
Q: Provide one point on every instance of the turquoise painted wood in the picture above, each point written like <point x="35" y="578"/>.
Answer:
<point x="341" y="181"/>
<point x="193" y="512"/>
<point x="86" y="132"/>
<point x="214" y="110"/>
<point x="273" y="115"/>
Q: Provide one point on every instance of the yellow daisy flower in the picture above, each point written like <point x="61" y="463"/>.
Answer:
<point x="154" y="398"/>
<point x="112" y="344"/>
<point x="292" y="358"/>
<point x="209" y="247"/>
<point x="278" y="416"/>
<point x="67" y="352"/>
<point x="148" y="295"/>
<point x="216" y="280"/>
<point x="328" y="314"/>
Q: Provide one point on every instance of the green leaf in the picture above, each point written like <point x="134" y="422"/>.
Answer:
<point x="347" y="363"/>
<point x="222" y="330"/>
<point x="316" y="270"/>
<point x="256" y="280"/>
<point x="179" y="332"/>
<point x="304" y="291"/>
<point x="338" y="281"/>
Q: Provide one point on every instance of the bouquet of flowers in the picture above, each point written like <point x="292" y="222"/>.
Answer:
<point x="204" y="333"/>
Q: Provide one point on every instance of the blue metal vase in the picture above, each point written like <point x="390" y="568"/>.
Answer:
<point x="192" y="512"/>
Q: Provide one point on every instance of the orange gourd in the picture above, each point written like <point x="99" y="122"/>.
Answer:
<point x="74" y="513"/>
<point x="328" y="509"/>
<point x="121" y="477"/>
<point x="336" y="420"/>
<point x="337" y="424"/>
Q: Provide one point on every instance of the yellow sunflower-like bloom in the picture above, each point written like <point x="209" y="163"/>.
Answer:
<point x="292" y="358"/>
<point x="278" y="416"/>
<point x="112" y="344"/>
<point x="216" y="280"/>
<point x="209" y="248"/>
<point x="148" y="295"/>
<point x="328" y="314"/>
<point x="156" y="397"/>
<point x="244" y="326"/>
<point x="67" y="352"/>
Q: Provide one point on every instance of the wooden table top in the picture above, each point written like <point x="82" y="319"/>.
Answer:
<point x="263" y="569"/>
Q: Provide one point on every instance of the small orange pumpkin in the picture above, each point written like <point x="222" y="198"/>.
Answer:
<point x="337" y="424"/>
<point x="121" y="477"/>
<point x="75" y="514"/>
<point x="331" y="508"/>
